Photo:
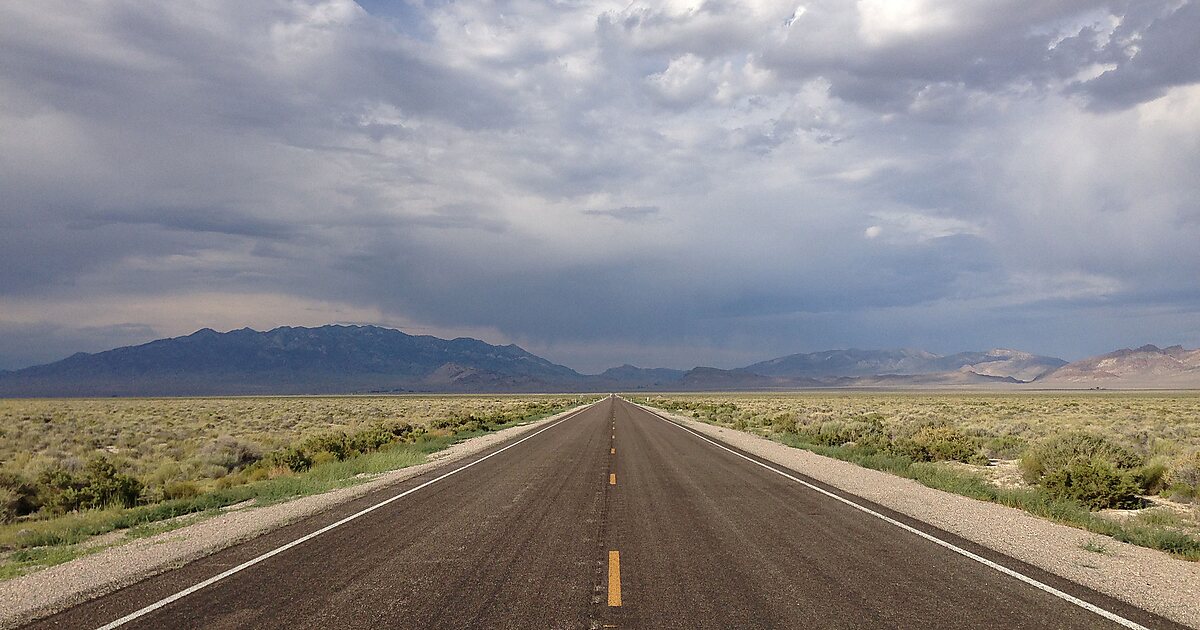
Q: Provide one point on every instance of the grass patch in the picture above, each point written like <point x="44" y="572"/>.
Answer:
<point x="1094" y="545"/>
<point x="23" y="561"/>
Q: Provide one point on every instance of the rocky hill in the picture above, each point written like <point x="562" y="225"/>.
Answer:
<point x="1000" y="363"/>
<point x="1147" y="366"/>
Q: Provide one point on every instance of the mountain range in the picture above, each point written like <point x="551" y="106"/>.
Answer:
<point x="339" y="359"/>
<point x="1147" y="366"/>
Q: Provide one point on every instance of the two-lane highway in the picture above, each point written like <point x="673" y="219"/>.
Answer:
<point x="612" y="517"/>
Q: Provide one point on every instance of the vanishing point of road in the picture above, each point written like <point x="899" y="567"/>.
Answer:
<point x="612" y="517"/>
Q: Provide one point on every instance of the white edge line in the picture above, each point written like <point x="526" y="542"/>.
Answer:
<point x="1111" y="616"/>
<point x="278" y="550"/>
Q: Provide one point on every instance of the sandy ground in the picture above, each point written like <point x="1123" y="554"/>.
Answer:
<point x="44" y="592"/>
<point x="1149" y="579"/>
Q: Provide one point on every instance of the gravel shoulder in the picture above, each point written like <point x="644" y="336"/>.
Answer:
<point x="47" y="591"/>
<point x="1146" y="578"/>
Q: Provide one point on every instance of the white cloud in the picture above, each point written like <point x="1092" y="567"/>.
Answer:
<point x="884" y="21"/>
<point x="923" y="226"/>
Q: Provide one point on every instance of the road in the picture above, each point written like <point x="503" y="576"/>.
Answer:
<point x="613" y="517"/>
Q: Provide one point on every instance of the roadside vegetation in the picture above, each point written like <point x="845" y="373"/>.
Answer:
<point x="79" y="475"/>
<point x="1116" y="464"/>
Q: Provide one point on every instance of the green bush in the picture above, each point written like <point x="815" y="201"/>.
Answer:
<point x="862" y="432"/>
<point x="1182" y="492"/>
<point x="1091" y="469"/>
<point x="18" y="497"/>
<point x="1151" y="478"/>
<point x="52" y="483"/>
<point x="100" y="486"/>
<point x="105" y="487"/>
<point x="329" y="447"/>
<point x="1058" y="451"/>
<point x="290" y="458"/>
<point x="783" y="423"/>
<point x="180" y="490"/>
<point x="1095" y="483"/>
<point x="939" y="443"/>
<point x="334" y="443"/>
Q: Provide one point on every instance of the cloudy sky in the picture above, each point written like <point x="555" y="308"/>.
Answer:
<point x="666" y="183"/>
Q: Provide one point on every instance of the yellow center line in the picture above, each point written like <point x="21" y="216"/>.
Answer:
<point x="612" y="479"/>
<point x="614" y="578"/>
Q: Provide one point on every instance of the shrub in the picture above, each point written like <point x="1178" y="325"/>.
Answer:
<point x="290" y="458"/>
<point x="862" y="432"/>
<point x="1087" y="468"/>
<point x="1005" y="446"/>
<point x="939" y="443"/>
<point x="180" y="490"/>
<point x="1181" y="492"/>
<point x="373" y="438"/>
<point x="1183" y="477"/>
<point x="9" y="502"/>
<point x="100" y="486"/>
<point x="231" y="454"/>
<point x="334" y="443"/>
<point x="104" y="486"/>
<point x="52" y="483"/>
<point x="1058" y="451"/>
<point x="783" y="423"/>
<point x="1095" y="483"/>
<point x="18" y="497"/>
<point x="1152" y="477"/>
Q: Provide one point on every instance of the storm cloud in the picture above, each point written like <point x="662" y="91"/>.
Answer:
<point x="667" y="183"/>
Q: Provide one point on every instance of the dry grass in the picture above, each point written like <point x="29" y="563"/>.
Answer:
<point x="178" y="438"/>
<point x="184" y="456"/>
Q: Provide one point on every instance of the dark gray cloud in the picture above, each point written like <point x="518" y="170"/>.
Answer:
<point x="627" y="213"/>
<point x="674" y="184"/>
<point x="1149" y="60"/>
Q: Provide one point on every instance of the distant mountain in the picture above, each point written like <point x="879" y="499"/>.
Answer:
<point x="633" y="377"/>
<point x="370" y="359"/>
<point x="1001" y="363"/>
<point x="1147" y="366"/>
<point x="852" y="362"/>
<point x="713" y="379"/>
<point x="934" y="379"/>
<point x="328" y="359"/>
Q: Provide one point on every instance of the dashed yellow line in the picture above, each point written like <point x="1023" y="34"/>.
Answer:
<point x="614" y="578"/>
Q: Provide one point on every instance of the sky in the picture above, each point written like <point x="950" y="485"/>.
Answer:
<point x="667" y="183"/>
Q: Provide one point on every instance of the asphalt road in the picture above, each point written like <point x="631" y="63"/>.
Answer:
<point x="613" y="517"/>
